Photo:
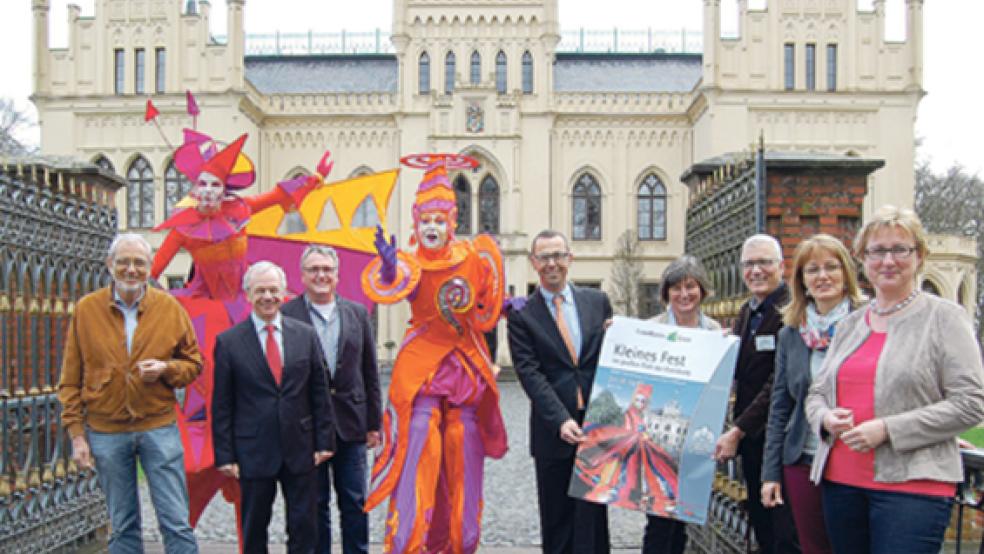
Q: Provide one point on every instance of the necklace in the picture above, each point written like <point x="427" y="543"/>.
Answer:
<point x="892" y="309"/>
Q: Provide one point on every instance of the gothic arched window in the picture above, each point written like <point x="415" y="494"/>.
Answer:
<point x="424" y="74"/>
<point x="476" y="68"/>
<point x="176" y="186"/>
<point x="449" y="73"/>
<point x="651" y="206"/>
<point x="527" y="72"/>
<point x="586" y="213"/>
<point x="462" y="195"/>
<point x="102" y="162"/>
<point x="488" y="206"/>
<point x="500" y="72"/>
<point x="140" y="194"/>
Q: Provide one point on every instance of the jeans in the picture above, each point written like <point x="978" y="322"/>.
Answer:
<point x="867" y="521"/>
<point x="346" y="471"/>
<point x="162" y="458"/>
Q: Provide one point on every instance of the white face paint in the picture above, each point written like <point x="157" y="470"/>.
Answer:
<point x="209" y="191"/>
<point x="432" y="230"/>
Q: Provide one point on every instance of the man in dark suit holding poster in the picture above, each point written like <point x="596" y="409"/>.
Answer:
<point x="271" y="414"/>
<point x="555" y="341"/>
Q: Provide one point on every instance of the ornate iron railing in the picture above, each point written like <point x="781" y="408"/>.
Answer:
<point x="56" y="222"/>
<point x="377" y="41"/>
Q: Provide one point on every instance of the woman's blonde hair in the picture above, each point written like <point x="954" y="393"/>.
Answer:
<point x="794" y="314"/>
<point x="892" y="217"/>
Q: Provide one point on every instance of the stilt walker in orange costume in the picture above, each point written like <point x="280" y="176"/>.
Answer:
<point x="443" y="416"/>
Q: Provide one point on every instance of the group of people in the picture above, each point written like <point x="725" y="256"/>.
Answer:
<point x="846" y="410"/>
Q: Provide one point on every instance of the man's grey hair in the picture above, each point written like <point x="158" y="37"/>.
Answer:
<point x="321" y="249"/>
<point x="549" y="234"/>
<point x="128" y="238"/>
<point x="762" y="238"/>
<point x="260" y="268"/>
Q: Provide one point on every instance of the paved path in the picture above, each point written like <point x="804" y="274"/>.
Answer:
<point x="510" y="519"/>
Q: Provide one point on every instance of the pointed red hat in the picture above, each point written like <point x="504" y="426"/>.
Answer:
<point x="222" y="164"/>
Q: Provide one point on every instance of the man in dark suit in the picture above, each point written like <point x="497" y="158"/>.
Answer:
<point x="555" y="341"/>
<point x="271" y="413"/>
<point x="350" y="352"/>
<point x="757" y="325"/>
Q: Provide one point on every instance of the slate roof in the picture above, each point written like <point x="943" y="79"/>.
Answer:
<point x="328" y="73"/>
<point x="580" y="72"/>
<point x="622" y="72"/>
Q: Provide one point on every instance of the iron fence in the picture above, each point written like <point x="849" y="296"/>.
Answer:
<point x="56" y="222"/>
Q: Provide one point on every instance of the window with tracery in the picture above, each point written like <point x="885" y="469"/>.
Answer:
<point x="103" y="162"/>
<point x="462" y="194"/>
<point x="527" y="72"/>
<point x="449" y="73"/>
<point x="424" y="74"/>
<point x="140" y="194"/>
<point x="488" y="206"/>
<point x="500" y="72"/>
<point x="586" y="212"/>
<point x="651" y="205"/>
<point x="476" y="68"/>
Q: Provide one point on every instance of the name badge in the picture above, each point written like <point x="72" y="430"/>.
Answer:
<point x="765" y="343"/>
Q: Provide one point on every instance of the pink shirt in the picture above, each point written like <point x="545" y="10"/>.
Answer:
<point x="856" y="391"/>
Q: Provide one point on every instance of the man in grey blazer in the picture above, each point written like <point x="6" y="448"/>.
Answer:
<point x="353" y="383"/>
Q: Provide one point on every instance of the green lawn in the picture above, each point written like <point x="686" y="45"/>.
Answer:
<point x="976" y="436"/>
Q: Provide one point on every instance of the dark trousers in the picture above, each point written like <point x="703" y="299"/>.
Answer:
<point x="664" y="536"/>
<point x="567" y="525"/>
<point x="300" y="496"/>
<point x="774" y="528"/>
<point x="346" y="472"/>
<point x="865" y="521"/>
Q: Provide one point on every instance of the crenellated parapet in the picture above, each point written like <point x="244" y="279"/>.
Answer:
<point x="627" y="103"/>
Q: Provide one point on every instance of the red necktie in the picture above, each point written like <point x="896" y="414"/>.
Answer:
<point x="565" y="333"/>
<point x="273" y="354"/>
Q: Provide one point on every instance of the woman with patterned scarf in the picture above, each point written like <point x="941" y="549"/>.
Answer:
<point x="823" y="289"/>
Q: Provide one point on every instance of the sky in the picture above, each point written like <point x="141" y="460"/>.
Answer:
<point x="950" y="121"/>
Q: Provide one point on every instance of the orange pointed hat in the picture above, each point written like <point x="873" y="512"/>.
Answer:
<point x="223" y="162"/>
<point x="434" y="192"/>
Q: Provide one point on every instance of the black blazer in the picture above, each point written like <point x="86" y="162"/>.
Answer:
<point x="354" y="388"/>
<point x="259" y="425"/>
<point x="787" y="429"/>
<point x="753" y="373"/>
<point x="545" y="368"/>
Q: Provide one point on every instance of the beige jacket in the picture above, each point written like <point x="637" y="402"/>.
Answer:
<point x="929" y="387"/>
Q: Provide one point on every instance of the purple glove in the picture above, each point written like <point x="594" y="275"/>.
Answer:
<point x="513" y="303"/>
<point x="387" y="253"/>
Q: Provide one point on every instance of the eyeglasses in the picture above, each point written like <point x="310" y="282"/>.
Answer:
<point x="814" y="270"/>
<point x="763" y="263"/>
<point x="316" y="269"/>
<point x="898" y="252"/>
<point x="123" y="263"/>
<point x="556" y="257"/>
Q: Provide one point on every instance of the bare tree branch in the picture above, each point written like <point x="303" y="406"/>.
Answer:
<point x="12" y="121"/>
<point x="626" y="275"/>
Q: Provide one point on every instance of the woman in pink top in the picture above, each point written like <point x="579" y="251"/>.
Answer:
<point x="902" y="378"/>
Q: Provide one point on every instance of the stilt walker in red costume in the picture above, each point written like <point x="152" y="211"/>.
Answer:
<point x="443" y="416"/>
<point x="210" y="225"/>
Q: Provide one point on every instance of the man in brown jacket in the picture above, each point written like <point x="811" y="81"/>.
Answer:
<point x="126" y="350"/>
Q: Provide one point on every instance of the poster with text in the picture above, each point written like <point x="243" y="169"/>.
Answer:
<point x="657" y="407"/>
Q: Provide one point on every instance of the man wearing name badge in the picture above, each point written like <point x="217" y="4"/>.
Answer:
<point x="350" y="352"/>
<point x="271" y="413"/>
<point x="128" y="347"/>
<point x="555" y="341"/>
<point x="757" y="325"/>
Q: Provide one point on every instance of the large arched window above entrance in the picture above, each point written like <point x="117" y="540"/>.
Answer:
<point x="102" y="162"/>
<point x="176" y="186"/>
<point x="449" y="73"/>
<point x="140" y="194"/>
<point x="488" y="206"/>
<point x="527" y="72"/>
<point x="586" y="212"/>
<point x="651" y="206"/>
<point x="462" y="195"/>
<point x="500" y="72"/>
<point x="424" y="74"/>
<point x="476" y="68"/>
